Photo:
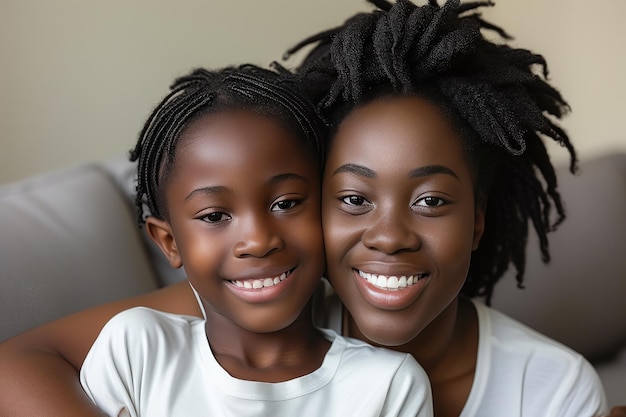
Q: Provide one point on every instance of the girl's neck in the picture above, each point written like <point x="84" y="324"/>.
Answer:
<point x="294" y="351"/>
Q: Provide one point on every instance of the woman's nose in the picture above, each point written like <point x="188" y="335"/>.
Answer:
<point x="392" y="232"/>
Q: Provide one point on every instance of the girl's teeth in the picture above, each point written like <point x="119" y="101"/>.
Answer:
<point x="261" y="283"/>
<point x="389" y="282"/>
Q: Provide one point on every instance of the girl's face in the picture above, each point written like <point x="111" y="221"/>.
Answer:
<point x="399" y="217"/>
<point x="244" y="219"/>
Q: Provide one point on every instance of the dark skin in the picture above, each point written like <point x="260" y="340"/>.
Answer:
<point x="243" y="220"/>
<point x="43" y="363"/>
<point x="443" y="340"/>
<point x="238" y="210"/>
<point x="398" y="201"/>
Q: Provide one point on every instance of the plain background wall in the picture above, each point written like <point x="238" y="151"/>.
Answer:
<point x="78" y="77"/>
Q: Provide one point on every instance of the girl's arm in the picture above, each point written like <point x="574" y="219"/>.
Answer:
<point x="39" y="368"/>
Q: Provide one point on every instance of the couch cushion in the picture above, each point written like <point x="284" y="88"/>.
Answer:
<point x="578" y="298"/>
<point x="68" y="240"/>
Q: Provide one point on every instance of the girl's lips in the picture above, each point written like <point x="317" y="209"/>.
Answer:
<point x="262" y="290"/>
<point x="261" y="282"/>
<point x="396" y="297"/>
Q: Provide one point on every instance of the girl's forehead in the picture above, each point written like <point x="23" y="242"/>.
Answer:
<point x="238" y="139"/>
<point x="235" y="128"/>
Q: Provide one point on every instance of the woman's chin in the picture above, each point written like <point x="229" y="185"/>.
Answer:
<point x="388" y="334"/>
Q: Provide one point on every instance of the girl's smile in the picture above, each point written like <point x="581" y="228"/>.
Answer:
<point x="263" y="290"/>
<point x="243" y="218"/>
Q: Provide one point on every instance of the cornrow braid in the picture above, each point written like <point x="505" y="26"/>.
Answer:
<point x="497" y="96"/>
<point x="272" y="92"/>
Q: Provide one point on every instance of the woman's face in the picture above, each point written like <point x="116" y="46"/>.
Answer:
<point x="399" y="217"/>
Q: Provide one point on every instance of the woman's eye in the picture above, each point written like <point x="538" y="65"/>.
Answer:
<point x="215" y="217"/>
<point x="431" y="202"/>
<point x="354" y="200"/>
<point x="284" y="205"/>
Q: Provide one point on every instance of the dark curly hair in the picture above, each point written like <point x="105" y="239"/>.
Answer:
<point x="497" y="96"/>
<point x="276" y="93"/>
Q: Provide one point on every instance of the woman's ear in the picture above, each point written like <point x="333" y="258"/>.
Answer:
<point x="160" y="232"/>
<point x="479" y="222"/>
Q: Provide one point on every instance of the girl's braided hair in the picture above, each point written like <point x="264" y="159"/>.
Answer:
<point x="497" y="97"/>
<point x="274" y="93"/>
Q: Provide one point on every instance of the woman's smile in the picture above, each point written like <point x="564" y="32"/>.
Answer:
<point x="376" y="289"/>
<point x="399" y="216"/>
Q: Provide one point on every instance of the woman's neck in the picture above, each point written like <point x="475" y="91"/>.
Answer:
<point x="294" y="351"/>
<point x="447" y="350"/>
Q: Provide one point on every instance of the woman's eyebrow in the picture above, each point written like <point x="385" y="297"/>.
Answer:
<point x="355" y="169"/>
<point x="431" y="170"/>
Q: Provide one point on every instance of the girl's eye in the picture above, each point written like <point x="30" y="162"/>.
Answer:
<point x="284" y="205"/>
<point x="431" y="202"/>
<point x="215" y="217"/>
<point x="354" y="200"/>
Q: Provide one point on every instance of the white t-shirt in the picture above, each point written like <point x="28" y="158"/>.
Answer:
<point x="519" y="372"/>
<point x="149" y="363"/>
<point x="523" y="373"/>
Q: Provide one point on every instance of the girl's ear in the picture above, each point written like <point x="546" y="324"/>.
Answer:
<point x="479" y="222"/>
<point x="160" y="232"/>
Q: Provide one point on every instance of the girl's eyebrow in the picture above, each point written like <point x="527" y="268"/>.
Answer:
<point x="206" y="190"/>
<point x="276" y="179"/>
<point x="431" y="170"/>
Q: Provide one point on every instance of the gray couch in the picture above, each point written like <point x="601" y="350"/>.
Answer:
<point x="69" y="240"/>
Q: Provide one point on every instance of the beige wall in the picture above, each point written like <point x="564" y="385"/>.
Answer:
<point x="585" y="44"/>
<point x="78" y="77"/>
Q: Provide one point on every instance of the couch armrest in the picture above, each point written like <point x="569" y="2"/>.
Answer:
<point x="68" y="241"/>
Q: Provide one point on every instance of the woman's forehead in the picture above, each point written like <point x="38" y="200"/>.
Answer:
<point x="400" y="130"/>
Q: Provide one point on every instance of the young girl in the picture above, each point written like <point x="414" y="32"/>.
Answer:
<point x="228" y="167"/>
<point x="433" y="172"/>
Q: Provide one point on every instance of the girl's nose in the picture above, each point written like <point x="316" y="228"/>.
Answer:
<point x="257" y="238"/>
<point x="391" y="233"/>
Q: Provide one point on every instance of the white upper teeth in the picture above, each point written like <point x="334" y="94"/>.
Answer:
<point x="390" y="282"/>
<point x="261" y="283"/>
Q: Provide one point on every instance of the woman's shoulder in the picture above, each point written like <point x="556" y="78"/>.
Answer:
<point x="547" y="374"/>
<point x="507" y="333"/>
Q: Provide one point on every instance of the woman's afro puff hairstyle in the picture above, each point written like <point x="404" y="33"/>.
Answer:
<point x="497" y="97"/>
<point x="275" y="93"/>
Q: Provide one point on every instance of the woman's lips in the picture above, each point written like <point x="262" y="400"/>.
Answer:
<point x="390" y="298"/>
<point x="391" y="282"/>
